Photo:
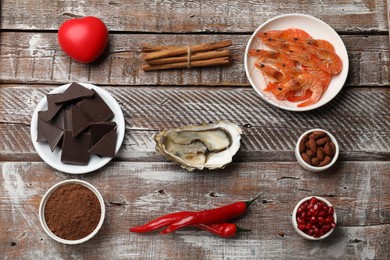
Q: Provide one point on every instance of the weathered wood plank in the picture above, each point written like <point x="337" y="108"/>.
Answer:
<point x="135" y="193"/>
<point x="192" y="16"/>
<point x="37" y="58"/>
<point x="357" y="117"/>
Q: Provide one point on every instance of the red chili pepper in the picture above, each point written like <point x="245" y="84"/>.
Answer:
<point x="211" y="216"/>
<point x="161" y="222"/>
<point x="222" y="229"/>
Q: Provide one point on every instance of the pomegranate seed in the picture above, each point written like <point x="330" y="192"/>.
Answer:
<point x="313" y="200"/>
<point x="326" y="228"/>
<point x="329" y="220"/>
<point x="326" y="209"/>
<point x="310" y="232"/>
<point x="333" y="225"/>
<point x="331" y="210"/>
<point x="313" y="220"/>
<point x="321" y="220"/>
<point x="313" y="212"/>
<point x="321" y="214"/>
<point x="301" y="221"/>
<point x="315" y="207"/>
<point x="301" y="227"/>
<point x="308" y="226"/>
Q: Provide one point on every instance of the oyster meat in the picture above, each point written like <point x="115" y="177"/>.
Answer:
<point x="210" y="146"/>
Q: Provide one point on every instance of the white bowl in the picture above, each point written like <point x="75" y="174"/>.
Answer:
<point x="295" y="224"/>
<point x="311" y="167"/>
<point x="54" y="158"/>
<point x="46" y="197"/>
<point x="316" y="28"/>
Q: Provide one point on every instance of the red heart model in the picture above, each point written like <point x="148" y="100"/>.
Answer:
<point x="83" y="39"/>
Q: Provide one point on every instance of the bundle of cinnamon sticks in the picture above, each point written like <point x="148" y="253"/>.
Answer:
<point x="174" y="57"/>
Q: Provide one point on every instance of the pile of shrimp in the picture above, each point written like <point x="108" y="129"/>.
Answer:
<point x="296" y="67"/>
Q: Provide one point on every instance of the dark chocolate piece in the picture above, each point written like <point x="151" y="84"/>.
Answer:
<point x="74" y="92"/>
<point x="59" y="119"/>
<point x="95" y="108"/>
<point x="40" y="135"/>
<point x="52" y="133"/>
<point x="75" y="149"/>
<point x="106" y="146"/>
<point x="79" y="121"/>
<point x="68" y="119"/>
<point x="52" y="107"/>
<point x="98" y="130"/>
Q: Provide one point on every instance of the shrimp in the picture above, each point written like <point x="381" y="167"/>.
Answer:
<point x="322" y="44"/>
<point x="285" y="34"/>
<point x="277" y="59"/>
<point x="312" y="83"/>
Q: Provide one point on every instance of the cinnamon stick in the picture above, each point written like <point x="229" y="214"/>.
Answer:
<point x="177" y="51"/>
<point x="195" y="57"/>
<point x="199" y="63"/>
<point x="153" y="48"/>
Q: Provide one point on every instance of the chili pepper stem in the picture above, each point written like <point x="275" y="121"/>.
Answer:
<point x="240" y="229"/>
<point x="249" y="202"/>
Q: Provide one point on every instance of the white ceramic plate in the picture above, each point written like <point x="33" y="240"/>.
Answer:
<point x="54" y="158"/>
<point x="318" y="30"/>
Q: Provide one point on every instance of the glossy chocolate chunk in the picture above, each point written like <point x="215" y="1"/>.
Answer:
<point x="79" y="121"/>
<point x="98" y="130"/>
<point x="74" y="92"/>
<point x="75" y="149"/>
<point x="68" y="119"/>
<point x="59" y="119"/>
<point x="40" y="135"/>
<point x="52" y="133"/>
<point x="106" y="146"/>
<point x="95" y="108"/>
<point x="52" y="107"/>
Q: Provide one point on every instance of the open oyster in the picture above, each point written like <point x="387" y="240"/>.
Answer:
<point x="210" y="146"/>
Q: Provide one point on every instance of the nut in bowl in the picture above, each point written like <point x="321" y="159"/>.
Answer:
<point x="314" y="218"/>
<point x="72" y="212"/>
<point x="316" y="150"/>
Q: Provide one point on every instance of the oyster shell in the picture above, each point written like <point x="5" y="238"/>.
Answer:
<point x="210" y="146"/>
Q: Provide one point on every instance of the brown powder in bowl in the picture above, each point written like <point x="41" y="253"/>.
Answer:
<point x="72" y="212"/>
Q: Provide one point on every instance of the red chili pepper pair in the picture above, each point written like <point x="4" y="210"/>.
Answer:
<point x="213" y="220"/>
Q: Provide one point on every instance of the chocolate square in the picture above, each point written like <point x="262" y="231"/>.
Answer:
<point x="52" y="107"/>
<point x="74" y="92"/>
<point x="79" y="121"/>
<point x="98" y="130"/>
<point x="52" y="133"/>
<point x="95" y="108"/>
<point x="106" y="146"/>
<point x="75" y="149"/>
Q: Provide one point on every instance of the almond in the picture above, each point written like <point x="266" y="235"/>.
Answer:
<point x="322" y="140"/>
<point x="315" y="161"/>
<point x="320" y="153"/>
<point x="311" y="153"/>
<point x="302" y="146"/>
<point x="312" y="144"/>
<point x="333" y="148"/>
<point x="328" y="149"/>
<point x="326" y="161"/>
<point x="306" y="158"/>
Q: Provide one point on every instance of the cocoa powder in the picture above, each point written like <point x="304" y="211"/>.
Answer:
<point x="72" y="212"/>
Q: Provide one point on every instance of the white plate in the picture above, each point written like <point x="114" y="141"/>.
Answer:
<point x="318" y="30"/>
<point x="54" y="158"/>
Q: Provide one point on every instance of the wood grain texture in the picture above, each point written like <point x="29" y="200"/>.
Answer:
<point x="37" y="58"/>
<point x="192" y="16"/>
<point x="357" y="117"/>
<point x="135" y="193"/>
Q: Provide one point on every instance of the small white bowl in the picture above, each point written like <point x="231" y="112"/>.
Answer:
<point x="311" y="167"/>
<point x="46" y="197"/>
<point x="295" y="224"/>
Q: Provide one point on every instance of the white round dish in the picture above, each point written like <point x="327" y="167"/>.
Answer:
<point x="318" y="30"/>
<point x="54" y="158"/>
<point x="295" y="224"/>
<point x="311" y="167"/>
<point x="46" y="197"/>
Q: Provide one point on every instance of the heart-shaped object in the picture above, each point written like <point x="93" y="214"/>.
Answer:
<point x="83" y="39"/>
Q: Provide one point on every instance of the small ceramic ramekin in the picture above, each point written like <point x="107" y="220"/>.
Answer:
<point x="295" y="224"/>
<point x="46" y="197"/>
<point x="311" y="167"/>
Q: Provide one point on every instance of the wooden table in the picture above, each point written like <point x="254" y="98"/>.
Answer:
<point x="139" y="184"/>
